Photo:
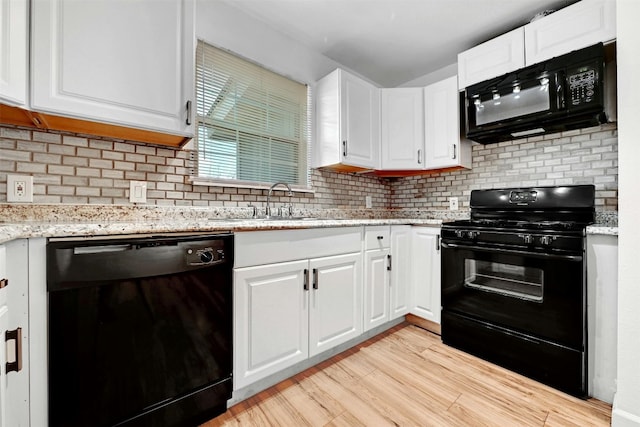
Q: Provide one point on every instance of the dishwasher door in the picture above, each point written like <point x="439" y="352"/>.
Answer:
<point x="140" y="330"/>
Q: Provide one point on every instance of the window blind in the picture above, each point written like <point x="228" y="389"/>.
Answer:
<point x="252" y="122"/>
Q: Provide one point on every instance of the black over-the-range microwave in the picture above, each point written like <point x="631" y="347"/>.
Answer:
<point x="563" y="93"/>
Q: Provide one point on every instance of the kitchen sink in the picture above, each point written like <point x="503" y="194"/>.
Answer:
<point x="285" y="218"/>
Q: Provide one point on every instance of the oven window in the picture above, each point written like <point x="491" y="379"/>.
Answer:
<point x="505" y="279"/>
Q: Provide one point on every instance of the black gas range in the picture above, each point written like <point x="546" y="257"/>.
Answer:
<point x="514" y="281"/>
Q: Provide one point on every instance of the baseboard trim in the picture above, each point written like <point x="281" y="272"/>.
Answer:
<point x="622" y="418"/>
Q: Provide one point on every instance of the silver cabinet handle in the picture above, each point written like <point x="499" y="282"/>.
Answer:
<point x="438" y="243"/>
<point x="305" y="285"/>
<point x="188" y="121"/>
<point x="315" y="278"/>
<point x="419" y="156"/>
<point x="344" y="148"/>
<point x="453" y="153"/>
<point x="389" y="262"/>
<point x="4" y="283"/>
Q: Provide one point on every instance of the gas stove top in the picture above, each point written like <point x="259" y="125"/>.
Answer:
<point x="506" y="225"/>
<point x="540" y="218"/>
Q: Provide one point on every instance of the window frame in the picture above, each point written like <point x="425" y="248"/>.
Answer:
<point x="303" y="163"/>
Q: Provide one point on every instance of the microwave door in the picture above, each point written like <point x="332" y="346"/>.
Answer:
<point x="512" y="105"/>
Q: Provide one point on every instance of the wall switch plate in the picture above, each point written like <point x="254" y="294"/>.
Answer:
<point x="368" y="202"/>
<point x="453" y="203"/>
<point x="19" y="189"/>
<point x="137" y="192"/>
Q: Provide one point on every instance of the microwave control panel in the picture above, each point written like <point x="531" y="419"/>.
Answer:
<point x="583" y="85"/>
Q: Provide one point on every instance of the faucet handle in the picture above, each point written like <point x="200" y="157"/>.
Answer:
<point x="254" y="209"/>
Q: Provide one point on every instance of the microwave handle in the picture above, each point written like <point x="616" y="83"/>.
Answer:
<point x="561" y="90"/>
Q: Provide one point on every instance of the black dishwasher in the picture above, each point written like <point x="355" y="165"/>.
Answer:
<point x="140" y="330"/>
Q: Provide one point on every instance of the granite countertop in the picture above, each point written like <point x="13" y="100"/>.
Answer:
<point x="26" y="221"/>
<point x="61" y="229"/>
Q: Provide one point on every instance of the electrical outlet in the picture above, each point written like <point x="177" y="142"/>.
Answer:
<point x="453" y="203"/>
<point x="137" y="192"/>
<point x="19" y="189"/>
<point x="368" y="202"/>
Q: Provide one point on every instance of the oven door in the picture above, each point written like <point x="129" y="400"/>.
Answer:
<point x="535" y="294"/>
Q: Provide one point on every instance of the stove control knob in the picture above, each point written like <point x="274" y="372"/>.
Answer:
<point x="473" y="234"/>
<point x="546" y="240"/>
<point x="460" y="234"/>
<point x="526" y="238"/>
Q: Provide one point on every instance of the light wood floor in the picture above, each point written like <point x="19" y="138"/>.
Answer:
<point x="407" y="377"/>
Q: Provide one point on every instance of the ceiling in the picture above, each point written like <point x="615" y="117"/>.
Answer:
<point x="394" y="41"/>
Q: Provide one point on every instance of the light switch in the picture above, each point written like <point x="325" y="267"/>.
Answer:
<point x="137" y="192"/>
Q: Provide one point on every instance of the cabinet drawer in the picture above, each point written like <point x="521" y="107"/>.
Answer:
<point x="268" y="247"/>
<point x="3" y="275"/>
<point x="377" y="237"/>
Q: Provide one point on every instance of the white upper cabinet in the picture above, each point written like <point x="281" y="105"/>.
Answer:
<point x="119" y="62"/>
<point x="402" y="129"/>
<point x="492" y="58"/>
<point x="444" y="147"/>
<point x="348" y="122"/>
<point x="14" y="36"/>
<point x="580" y="25"/>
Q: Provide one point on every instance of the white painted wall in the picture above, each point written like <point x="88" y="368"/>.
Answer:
<point x="224" y="26"/>
<point x="626" y="411"/>
<point x="436" y="76"/>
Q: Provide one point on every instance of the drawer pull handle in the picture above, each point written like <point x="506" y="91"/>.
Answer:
<point x="15" y="335"/>
<point x="380" y="237"/>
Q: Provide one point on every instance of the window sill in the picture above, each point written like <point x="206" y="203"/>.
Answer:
<point x="245" y="184"/>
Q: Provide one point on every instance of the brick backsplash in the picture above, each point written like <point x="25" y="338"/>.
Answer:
<point x="77" y="169"/>
<point x="80" y="169"/>
<point x="587" y="156"/>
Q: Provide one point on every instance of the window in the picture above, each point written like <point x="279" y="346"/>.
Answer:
<point x="252" y="123"/>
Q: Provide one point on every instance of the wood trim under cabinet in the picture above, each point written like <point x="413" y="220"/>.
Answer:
<point x="21" y="117"/>
<point x="423" y="323"/>
<point x="403" y="173"/>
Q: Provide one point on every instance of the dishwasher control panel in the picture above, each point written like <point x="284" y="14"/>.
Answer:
<point x="204" y="255"/>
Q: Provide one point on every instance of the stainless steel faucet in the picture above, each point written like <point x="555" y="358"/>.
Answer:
<point x="267" y="209"/>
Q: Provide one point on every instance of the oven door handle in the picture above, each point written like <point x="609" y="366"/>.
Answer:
<point x="512" y="251"/>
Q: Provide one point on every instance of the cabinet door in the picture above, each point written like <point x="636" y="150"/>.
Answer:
<point x="271" y="320"/>
<point x="491" y="59"/>
<point x="123" y="62"/>
<point x="443" y="146"/>
<point x="376" y="288"/>
<point x="13" y="51"/>
<point x="360" y="118"/>
<point x="336" y="301"/>
<point x="400" y="281"/>
<point x="4" y="391"/>
<point x="16" y="384"/>
<point x="580" y="25"/>
<point x="402" y="128"/>
<point x="425" y="256"/>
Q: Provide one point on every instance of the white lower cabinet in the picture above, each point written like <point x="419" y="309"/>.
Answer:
<point x="288" y="311"/>
<point x="387" y="274"/>
<point x="376" y="288"/>
<point x="14" y="361"/>
<point x="602" y="315"/>
<point x="425" y="273"/>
